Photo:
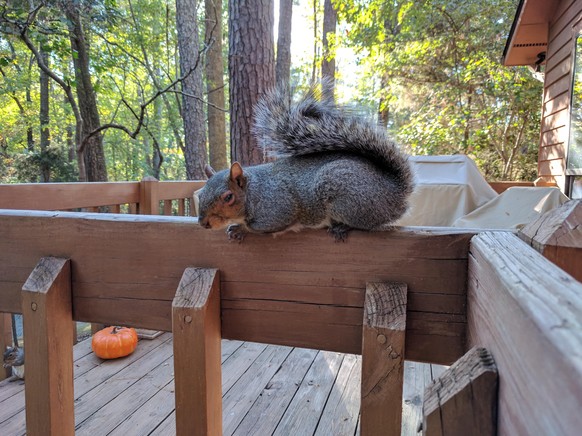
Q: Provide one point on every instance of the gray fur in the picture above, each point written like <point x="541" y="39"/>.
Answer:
<point x="334" y="170"/>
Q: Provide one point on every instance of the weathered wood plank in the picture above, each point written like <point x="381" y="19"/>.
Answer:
<point x="383" y="358"/>
<point x="557" y="235"/>
<point x="106" y="418"/>
<point x="528" y="313"/>
<point x="463" y="400"/>
<point x="341" y="413"/>
<point x="134" y="282"/>
<point x="63" y="196"/>
<point x="302" y="415"/>
<point x="239" y="399"/>
<point x="197" y="358"/>
<point x="103" y="384"/>
<point x="150" y="414"/>
<point x="48" y="326"/>
<point x="266" y="412"/>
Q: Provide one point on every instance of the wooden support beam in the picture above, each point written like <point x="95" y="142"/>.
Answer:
<point x="383" y="336"/>
<point x="528" y="313"/>
<point x="48" y="321"/>
<point x="197" y="371"/>
<point x="557" y="235"/>
<point x="149" y="200"/>
<point x="301" y="289"/>
<point x="463" y="400"/>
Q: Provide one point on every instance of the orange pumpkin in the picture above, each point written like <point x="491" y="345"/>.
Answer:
<point x="113" y="342"/>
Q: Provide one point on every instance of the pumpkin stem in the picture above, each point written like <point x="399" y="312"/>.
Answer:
<point x="115" y="329"/>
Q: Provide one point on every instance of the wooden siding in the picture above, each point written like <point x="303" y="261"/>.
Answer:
<point x="557" y="90"/>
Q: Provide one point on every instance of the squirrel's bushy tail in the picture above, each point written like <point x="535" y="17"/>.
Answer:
<point x="315" y="124"/>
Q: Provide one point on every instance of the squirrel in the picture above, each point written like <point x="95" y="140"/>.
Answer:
<point x="334" y="169"/>
<point x="14" y="357"/>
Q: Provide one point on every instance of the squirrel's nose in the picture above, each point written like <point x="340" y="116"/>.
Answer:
<point x="204" y="222"/>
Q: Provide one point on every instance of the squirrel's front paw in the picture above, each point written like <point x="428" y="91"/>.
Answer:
<point x="339" y="231"/>
<point x="235" y="233"/>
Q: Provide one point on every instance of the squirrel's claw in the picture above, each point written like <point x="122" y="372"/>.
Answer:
<point x="235" y="233"/>
<point x="339" y="231"/>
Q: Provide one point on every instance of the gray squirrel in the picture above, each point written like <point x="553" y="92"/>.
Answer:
<point x="14" y="357"/>
<point x="334" y="170"/>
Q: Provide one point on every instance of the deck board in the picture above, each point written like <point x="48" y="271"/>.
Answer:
<point x="267" y="389"/>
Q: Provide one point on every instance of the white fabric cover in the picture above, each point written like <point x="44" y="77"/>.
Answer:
<point x="513" y="208"/>
<point x="447" y="188"/>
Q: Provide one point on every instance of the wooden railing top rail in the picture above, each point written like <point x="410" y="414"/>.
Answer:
<point x="299" y="289"/>
<point x="64" y="196"/>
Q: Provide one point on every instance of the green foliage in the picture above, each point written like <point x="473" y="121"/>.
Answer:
<point x="431" y="67"/>
<point x="441" y="80"/>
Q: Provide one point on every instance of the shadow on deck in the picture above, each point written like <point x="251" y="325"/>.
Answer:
<point x="267" y="389"/>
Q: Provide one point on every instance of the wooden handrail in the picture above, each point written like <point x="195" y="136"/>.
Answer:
<point x="126" y="269"/>
<point x="69" y="196"/>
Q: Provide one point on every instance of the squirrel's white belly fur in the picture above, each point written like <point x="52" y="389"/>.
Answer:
<point x="297" y="227"/>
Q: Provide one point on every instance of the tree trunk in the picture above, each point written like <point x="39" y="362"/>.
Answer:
<point x="283" y="65"/>
<point x="92" y="155"/>
<point x="328" y="62"/>
<point x="215" y="85"/>
<point x="192" y="89"/>
<point x="383" y="108"/>
<point x="315" y="63"/>
<point x="251" y="68"/>
<point x="44" y="117"/>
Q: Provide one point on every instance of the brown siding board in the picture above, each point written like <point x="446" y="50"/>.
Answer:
<point x="551" y="152"/>
<point x="566" y="12"/>
<point x="560" y="102"/>
<point x="554" y="167"/>
<point x="557" y="136"/>
<point x="557" y="88"/>
<point x="555" y="120"/>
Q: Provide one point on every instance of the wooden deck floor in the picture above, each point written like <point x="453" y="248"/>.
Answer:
<point x="267" y="390"/>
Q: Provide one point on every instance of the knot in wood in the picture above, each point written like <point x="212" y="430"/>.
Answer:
<point x="33" y="306"/>
<point x="187" y="319"/>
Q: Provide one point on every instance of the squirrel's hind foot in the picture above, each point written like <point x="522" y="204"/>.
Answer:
<point x="235" y="233"/>
<point x="339" y="231"/>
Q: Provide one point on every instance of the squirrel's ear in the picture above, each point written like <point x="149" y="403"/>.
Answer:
<point x="237" y="174"/>
<point x="209" y="171"/>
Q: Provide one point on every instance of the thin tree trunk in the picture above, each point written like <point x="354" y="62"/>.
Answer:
<point x="92" y="155"/>
<point x="251" y="67"/>
<point x="328" y="61"/>
<point x="193" y="107"/>
<point x="283" y="65"/>
<point x="44" y="117"/>
<point x="215" y="85"/>
<point x="314" y="74"/>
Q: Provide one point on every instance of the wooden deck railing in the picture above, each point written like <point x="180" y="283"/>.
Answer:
<point x="148" y="197"/>
<point x="419" y="294"/>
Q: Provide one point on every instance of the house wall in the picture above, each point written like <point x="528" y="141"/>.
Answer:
<point x="564" y="26"/>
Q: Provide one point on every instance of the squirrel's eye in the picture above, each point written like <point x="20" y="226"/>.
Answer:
<point x="227" y="198"/>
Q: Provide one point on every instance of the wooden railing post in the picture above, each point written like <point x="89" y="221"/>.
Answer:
<point x="383" y="334"/>
<point x="197" y="336"/>
<point x="5" y="340"/>
<point x="463" y="400"/>
<point x="48" y="320"/>
<point x="149" y="202"/>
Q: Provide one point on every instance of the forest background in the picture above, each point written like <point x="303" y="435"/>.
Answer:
<point x="122" y="89"/>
